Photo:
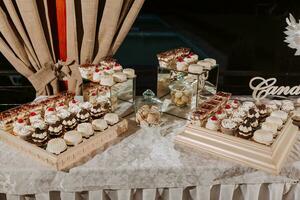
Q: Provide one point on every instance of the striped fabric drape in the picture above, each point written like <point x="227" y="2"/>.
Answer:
<point x="35" y="34"/>
<point x="267" y="191"/>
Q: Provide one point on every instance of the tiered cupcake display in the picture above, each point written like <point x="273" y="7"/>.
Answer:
<point x="109" y="80"/>
<point x="182" y="63"/>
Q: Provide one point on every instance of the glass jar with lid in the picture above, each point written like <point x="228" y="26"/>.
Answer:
<point x="181" y="92"/>
<point x="148" y="109"/>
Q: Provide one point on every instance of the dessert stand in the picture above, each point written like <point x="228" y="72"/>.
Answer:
<point x="73" y="155"/>
<point x="204" y="85"/>
<point x="119" y="92"/>
<point x="259" y="156"/>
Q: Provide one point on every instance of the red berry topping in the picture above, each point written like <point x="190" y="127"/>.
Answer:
<point x="32" y="114"/>
<point x="61" y="104"/>
<point x="20" y="120"/>
<point x="97" y="70"/>
<point x="235" y="101"/>
<point x="180" y="59"/>
<point x="74" y="101"/>
<point x="214" y="118"/>
<point x="117" y="64"/>
<point x="219" y="112"/>
<point x="51" y="109"/>
<point x="227" y="106"/>
<point x="94" y="94"/>
<point x="107" y="68"/>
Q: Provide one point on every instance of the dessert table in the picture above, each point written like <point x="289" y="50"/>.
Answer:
<point x="147" y="166"/>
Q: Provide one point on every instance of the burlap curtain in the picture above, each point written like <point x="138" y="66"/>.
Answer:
<point x="95" y="29"/>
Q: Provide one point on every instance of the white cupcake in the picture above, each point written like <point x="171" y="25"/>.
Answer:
<point x="213" y="123"/>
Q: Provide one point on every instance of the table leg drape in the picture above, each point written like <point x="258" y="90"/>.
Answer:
<point x="267" y="191"/>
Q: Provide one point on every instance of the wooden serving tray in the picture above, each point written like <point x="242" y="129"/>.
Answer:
<point x="73" y="155"/>
<point x="259" y="156"/>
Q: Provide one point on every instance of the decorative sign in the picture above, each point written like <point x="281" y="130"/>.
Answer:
<point x="293" y="34"/>
<point x="263" y="87"/>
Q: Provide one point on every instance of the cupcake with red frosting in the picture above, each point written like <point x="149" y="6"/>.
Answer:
<point x="181" y="65"/>
<point x="213" y="123"/>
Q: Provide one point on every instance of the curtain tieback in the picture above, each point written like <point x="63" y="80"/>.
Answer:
<point x="70" y="70"/>
<point x="41" y="78"/>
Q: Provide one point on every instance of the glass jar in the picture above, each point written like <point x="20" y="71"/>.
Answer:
<point x="181" y="92"/>
<point x="148" y="110"/>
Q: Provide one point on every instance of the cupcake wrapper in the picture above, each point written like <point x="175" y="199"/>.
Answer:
<point x="228" y="131"/>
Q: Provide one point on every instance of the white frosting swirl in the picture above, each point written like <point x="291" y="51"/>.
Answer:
<point x="63" y="114"/>
<point x="51" y="119"/>
<point x="228" y="123"/>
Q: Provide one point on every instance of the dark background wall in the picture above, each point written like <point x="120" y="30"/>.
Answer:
<point x="246" y="37"/>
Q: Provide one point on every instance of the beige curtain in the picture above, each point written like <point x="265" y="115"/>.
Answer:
<point x="95" y="29"/>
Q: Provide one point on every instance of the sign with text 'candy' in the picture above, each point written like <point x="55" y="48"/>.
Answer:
<point x="263" y="87"/>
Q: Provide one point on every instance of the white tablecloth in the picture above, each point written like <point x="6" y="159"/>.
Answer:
<point x="147" y="166"/>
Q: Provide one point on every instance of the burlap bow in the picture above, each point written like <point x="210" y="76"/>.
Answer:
<point x="46" y="80"/>
<point x="69" y="71"/>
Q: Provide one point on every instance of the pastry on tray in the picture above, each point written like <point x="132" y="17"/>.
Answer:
<point x="99" y="125"/>
<point x="56" y="146"/>
<point x="86" y="129"/>
<point x="263" y="137"/>
<point x="73" y="138"/>
<point x="213" y="123"/>
<point x="228" y="126"/>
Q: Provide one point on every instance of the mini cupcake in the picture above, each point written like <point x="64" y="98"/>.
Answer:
<point x="296" y="120"/>
<point x="25" y="132"/>
<point x="253" y="113"/>
<point x="74" y="109"/>
<point x="237" y="120"/>
<point x="83" y="116"/>
<point x="228" y="126"/>
<point x="60" y="106"/>
<point x="228" y="109"/>
<point x="271" y="106"/>
<point x="33" y="116"/>
<point x="55" y="128"/>
<point x="97" y="75"/>
<point x="40" y="135"/>
<point x="117" y="67"/>
<point x="74" y="102"/>
<point x="221" y="114"/>
<point x="235" y="103"/>
<point x="18" y="125"/>
<point x="287" y="107"/>
<point x="213" y="123"/>
<point x="50" y="111"/>
<point x="181" y="65"/>
<point x="239" y="113"/>
<point x="245" y="130"/>
<point x="191" y="58"/>
<point x="248" y="104"/>
<point x="68" y="119"/>
<point x="86" y="105"/>
<point x="263" y="111"/>
<point x="297" y="103"/>
<point x="96" y="111"/>
<point x="253" y="121"/>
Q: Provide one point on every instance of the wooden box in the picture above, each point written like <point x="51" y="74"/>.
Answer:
<point x="73" y="155"/>
<point x="259" y="156"/>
